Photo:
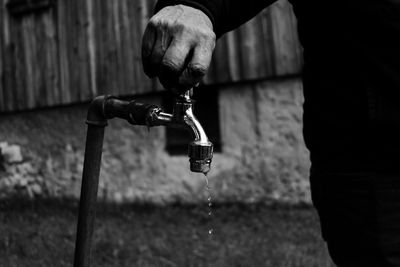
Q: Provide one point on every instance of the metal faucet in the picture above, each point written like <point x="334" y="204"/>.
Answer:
<point x="200" y="150"/>
<point x="103" y="108"/>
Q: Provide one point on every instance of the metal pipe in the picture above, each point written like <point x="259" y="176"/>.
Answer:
<point x="87" y="203"/>
<point x="101" y="109"/>
<point x="96" y="121"/>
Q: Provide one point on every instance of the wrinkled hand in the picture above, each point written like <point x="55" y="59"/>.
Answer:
<point x="177" y="47"/>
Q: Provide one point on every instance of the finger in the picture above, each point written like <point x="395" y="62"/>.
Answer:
<point x="196" y="68"/>
<point x="148" y="42"/>
<point x="152" y="63"/>
<point x="173" y="62"/>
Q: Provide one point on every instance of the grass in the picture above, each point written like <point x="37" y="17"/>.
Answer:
<point x="43" y="233"/>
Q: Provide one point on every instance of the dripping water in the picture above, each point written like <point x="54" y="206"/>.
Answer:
<point x="209" y="200"/>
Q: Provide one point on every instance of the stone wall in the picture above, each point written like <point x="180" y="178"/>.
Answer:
<point x="263" y="156"/>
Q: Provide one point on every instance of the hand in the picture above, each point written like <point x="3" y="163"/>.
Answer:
<point x="177" y="47"/>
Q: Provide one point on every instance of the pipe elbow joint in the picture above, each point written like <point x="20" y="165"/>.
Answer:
<point x="96" y="114"/>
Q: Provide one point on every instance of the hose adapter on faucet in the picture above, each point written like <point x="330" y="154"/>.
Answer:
<point x="200" y="156"/>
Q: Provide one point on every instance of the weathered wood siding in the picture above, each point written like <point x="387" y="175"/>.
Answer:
<point x="77" y="49"/>
<point x="267" y="46"/>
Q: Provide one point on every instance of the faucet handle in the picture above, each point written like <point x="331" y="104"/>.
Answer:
<point x="186" y="96"/>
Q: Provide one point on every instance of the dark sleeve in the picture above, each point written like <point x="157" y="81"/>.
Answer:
<point x="225" y="15"/>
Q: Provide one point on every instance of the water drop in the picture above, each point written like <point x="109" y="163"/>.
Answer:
<point x="208" y="189"/>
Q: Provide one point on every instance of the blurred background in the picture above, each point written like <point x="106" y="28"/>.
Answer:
<point x="57" y="55"/>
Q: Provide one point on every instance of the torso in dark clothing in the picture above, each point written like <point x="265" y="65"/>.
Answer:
<point x="351" y="83"/>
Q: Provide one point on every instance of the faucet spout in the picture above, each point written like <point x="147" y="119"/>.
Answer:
<point x="195" y="128"/>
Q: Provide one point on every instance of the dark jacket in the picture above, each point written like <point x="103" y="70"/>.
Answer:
<point x="351" y="76"/>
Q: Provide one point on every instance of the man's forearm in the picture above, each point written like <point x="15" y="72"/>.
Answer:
<point x="226" y="15"/>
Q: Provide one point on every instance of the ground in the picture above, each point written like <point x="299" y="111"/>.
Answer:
<point x="42" y="233"/>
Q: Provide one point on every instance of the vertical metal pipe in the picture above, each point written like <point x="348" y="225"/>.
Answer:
<point x="87" y="204"/>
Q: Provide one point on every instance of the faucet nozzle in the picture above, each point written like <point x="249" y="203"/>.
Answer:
<point x="200" y="156"/>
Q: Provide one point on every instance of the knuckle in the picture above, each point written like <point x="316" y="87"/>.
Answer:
<point x="191" y="30"/>
<point x="212" y="38"/>
<point x="208" y="35"/>
<point x="199" y="35"/>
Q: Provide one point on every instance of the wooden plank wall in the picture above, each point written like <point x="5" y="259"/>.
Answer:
<point x="78" y="49"/>
<point x="265" y="47"/>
